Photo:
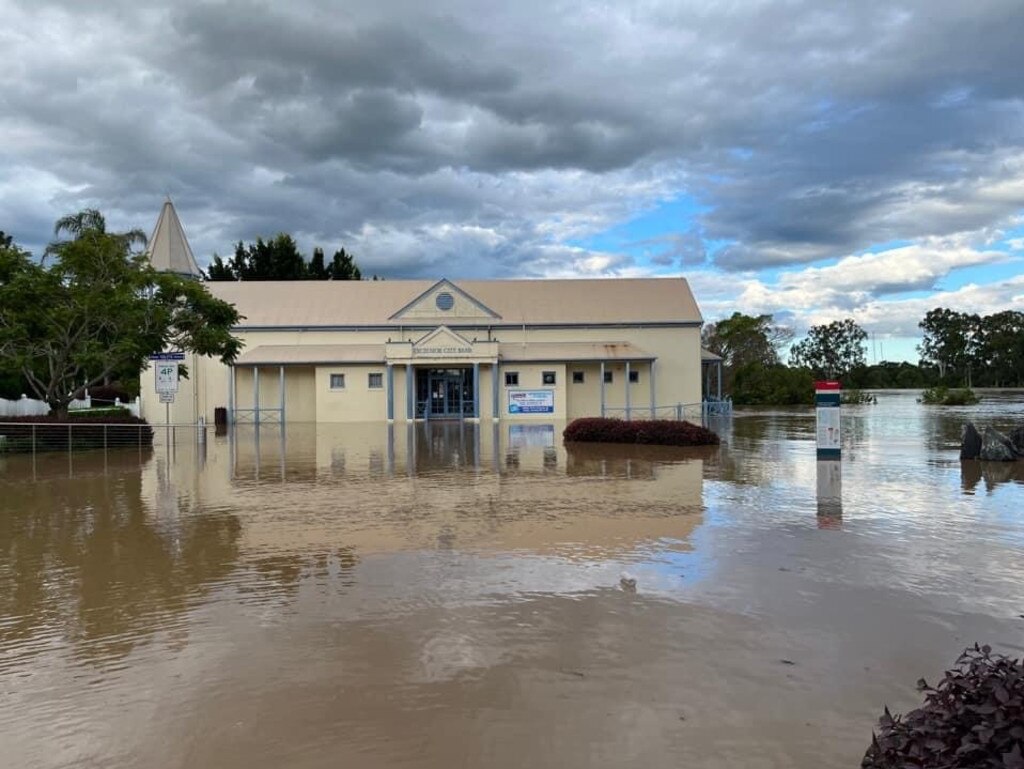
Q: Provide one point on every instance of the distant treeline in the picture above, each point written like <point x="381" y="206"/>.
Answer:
<point x="957" y="350"/>
<point x="280" y="259"/>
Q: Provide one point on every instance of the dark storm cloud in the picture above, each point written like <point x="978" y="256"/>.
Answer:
<point x="480" y="140"/>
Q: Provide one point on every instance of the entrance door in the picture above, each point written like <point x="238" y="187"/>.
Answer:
<point x="448" y="392"/>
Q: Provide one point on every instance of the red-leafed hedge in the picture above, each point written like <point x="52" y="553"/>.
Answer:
<point x="661" y="432"/>
<point x="51" y="433"/>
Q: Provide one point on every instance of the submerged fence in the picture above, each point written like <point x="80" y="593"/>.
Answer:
<point x="34" y="437"/>
<point x="690" y="412"/>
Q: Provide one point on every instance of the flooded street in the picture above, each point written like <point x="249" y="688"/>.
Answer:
<point x="449" y="595"/>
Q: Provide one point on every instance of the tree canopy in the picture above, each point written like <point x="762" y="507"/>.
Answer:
<point x="280" y="259"/>
<point x="96" y="307"/>
<point x="745" y="341"/>
<point x="834" y="350"/>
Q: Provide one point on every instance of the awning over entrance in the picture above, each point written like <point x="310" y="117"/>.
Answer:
<point x="311" y="354"/>
<point x="572" y="351"/>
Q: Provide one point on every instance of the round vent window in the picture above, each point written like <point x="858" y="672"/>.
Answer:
<point x="444" y="301"/>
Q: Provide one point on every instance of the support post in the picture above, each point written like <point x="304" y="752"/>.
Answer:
<point x="280" y="374"/>
<point x="231" y="394"/>
<point x="654" y="408"/>
<point x="391" y="404"/>
<point x="719" y="367"/>
<point x="410" y="393"/>
<point x="256" y="394"/>
<point x="601" y="378"/>
<point x="476" y="391"/>
<point x="628" y="415"/>
<point x="496" y="390"/>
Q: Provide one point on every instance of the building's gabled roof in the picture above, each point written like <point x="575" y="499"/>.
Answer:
<point x="168" y="247"/>
<point x="346" y="304"/>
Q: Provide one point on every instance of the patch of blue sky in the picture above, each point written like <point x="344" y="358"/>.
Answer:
<point x="649" y="234"/>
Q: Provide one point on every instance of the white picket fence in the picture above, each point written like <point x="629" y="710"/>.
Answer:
<point x="29" y="407"/>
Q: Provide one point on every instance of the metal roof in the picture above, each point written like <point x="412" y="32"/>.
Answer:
<point x="348" y="304"/>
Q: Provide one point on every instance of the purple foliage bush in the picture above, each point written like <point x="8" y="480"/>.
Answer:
<point x="661" y="432"/>
<point x="974" y="717"/>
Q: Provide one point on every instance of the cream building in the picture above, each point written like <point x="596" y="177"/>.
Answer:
<point x="402" y="350"/>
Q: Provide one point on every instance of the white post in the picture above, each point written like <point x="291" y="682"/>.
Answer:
<point x="256" y="394"/>
<point x="627" y="391"/>
<point x="654" y="412"/>
<point x="602" y="389"/>
<point x="281" y="385"/>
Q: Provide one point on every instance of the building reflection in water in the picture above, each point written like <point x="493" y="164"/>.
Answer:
<point x="830" y="494"/>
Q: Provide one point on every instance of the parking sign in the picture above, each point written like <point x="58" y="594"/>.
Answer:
<point x="167" y="377"/>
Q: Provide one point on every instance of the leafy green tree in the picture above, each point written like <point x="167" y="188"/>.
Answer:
<point x="832" y="351"/>
<point x="219" y="270"/>
<point x="317" y="267"/>
<point x="344" y="267"/>
<point x="951" y="343"/>
<point x="280" y="259"/>
<point x="1000" y="349"/>
<point x="757" y="385"/>
<point x="742" y="340"/>
<point x="97" y="308"/>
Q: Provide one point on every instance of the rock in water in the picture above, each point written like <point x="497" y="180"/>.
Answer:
<point x="996" y="447"/>
<point x="1017" y="438"/>
<point x="970" y="442"/>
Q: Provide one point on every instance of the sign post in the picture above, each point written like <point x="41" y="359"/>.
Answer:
<point x="166" y="366"/>
<point x="827" y="398"/>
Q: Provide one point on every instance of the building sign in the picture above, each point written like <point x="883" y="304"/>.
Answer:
<point x="827" y="397"/>
<point x="447" y="351"/>
<point x="531" y="401"/>
<point x="167" y="377"/>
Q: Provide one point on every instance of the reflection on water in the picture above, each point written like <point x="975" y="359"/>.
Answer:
<point x="448" y="594"/>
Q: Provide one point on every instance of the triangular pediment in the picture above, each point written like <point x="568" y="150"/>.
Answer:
<point x="444" y="300"/>
<point x="443" y="341"/>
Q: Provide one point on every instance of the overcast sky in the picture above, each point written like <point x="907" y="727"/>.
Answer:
<point x="812" y="159"/>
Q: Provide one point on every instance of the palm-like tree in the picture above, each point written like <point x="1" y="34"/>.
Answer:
<point x="87" y="221"/>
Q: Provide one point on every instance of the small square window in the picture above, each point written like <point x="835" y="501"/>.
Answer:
<point x="375" y="381"/>
<point x="547" y="377"/>
<point x="608" y="377"/>
<point x="511" y="379"/>
<point x="577" y="377"/>
<point x="337" y="381"/>
<point x="634" y="376"/>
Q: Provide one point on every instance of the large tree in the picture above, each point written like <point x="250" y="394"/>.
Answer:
<point x="280" y="259"/>
<point x="96" y="307"/>
<point x="951" y="343"/>
<point x="745" y="341"/>
<point x="831" y="351"/>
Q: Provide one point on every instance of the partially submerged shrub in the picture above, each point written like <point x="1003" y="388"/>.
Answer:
<point x="857" y="397"/>
<point x="662" y="432"/>
<point x="974" y="717"/>
<point x="943" y="396"/>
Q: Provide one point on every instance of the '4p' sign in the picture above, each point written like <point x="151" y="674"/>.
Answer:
<point x="167" y="377"/>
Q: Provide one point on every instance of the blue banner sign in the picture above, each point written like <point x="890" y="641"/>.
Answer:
<point x="531" y="401"/>
<point x="167" y="356"/>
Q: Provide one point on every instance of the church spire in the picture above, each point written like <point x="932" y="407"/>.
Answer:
<point x="168" y="248"/>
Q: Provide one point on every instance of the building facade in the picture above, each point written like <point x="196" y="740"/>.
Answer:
<point x="405" y="350"/>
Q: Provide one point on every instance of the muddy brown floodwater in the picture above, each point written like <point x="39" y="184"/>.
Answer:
<point x="450" y="596"/>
